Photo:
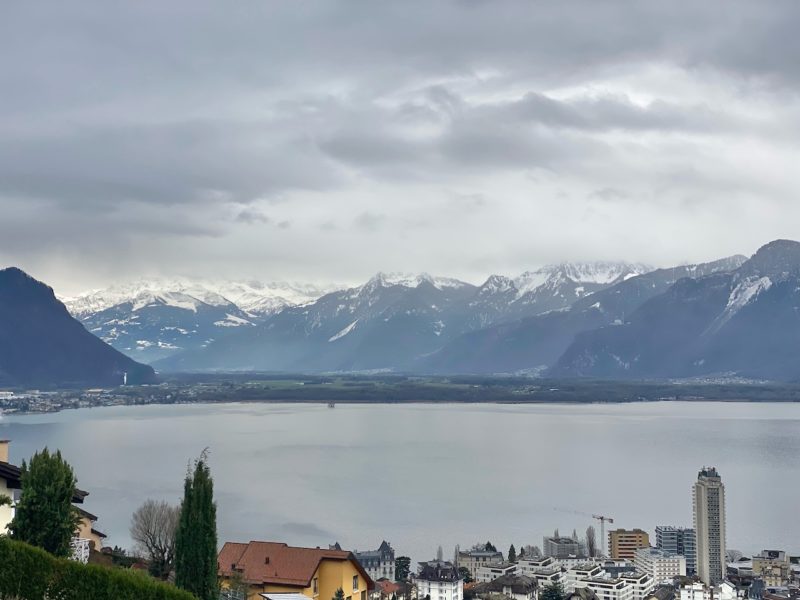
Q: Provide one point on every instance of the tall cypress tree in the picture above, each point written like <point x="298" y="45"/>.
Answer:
<point x="44" y="515"/>
<point x="196" y="538"/>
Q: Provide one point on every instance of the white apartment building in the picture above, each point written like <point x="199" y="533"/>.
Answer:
<point x="700" y="591"/>
<point x="660" y="565"/>
<point x="608" y="589"/>
<point x="526" y="566"/>
<point x="544" y="569"/>
<point x="489" y="573"/>
<point x="641" y="585"/>
<point x="439" y="581"/>
<point x="581" y="573"/>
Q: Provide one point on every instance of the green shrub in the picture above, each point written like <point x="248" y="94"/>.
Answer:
<point x="28" y="573"/>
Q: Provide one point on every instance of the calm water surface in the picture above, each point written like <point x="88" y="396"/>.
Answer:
<point x="423" y="475"/>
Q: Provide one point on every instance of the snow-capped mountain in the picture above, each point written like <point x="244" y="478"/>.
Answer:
<point x="254" y="297"/>
<point x="744" y="322"/>
<point x="377" y="325"/>
<point x="152" y="319"/>
<point x="533" y="343"/>
<point x="554" y="287"/>
<point x="395" y="319"/>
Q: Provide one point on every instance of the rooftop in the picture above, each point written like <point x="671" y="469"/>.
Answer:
<point x="279" y="564"/>
<point x="438" y="571"/>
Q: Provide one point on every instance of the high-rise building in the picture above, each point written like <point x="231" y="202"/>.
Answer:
<point x="623" y="543"/>
<point x="709" y="526"/>
<point x="680" y="541"/>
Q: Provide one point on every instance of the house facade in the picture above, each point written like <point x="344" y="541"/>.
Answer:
<point x="472" y="560"/>
<point x="439" y="581"/>
<point x="248" y="571"/>
<point x="379" y="564"/>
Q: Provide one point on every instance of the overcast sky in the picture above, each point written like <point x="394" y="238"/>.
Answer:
<point x="325" y="141"/>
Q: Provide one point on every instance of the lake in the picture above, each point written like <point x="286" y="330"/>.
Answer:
<point x="424" y="475"/>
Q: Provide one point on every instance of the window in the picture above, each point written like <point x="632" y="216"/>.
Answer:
<point x="315" y="586"/>
<point x="355" y="582"/>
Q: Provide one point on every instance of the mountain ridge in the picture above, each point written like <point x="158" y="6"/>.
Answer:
<point x="42" y="344"/>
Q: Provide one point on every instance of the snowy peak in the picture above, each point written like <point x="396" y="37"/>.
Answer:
<point x="253" y="297"/>
<point x="411" y="280"/>
<point x="599" y="273"/>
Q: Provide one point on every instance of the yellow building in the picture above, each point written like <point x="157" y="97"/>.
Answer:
<point x="275" y="568"/>
<point x="623" y="543"/>
<point x="88" y="531"/>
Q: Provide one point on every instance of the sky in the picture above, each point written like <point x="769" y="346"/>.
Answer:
<point x="325" y="141"/>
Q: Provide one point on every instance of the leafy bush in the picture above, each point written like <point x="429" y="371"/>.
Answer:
<point x="28" y="573"/>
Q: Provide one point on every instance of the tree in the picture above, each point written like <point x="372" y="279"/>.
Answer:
<point x="44" y="516"/>
<point x="196" y="536"/>
<point x="554" y="591"/>
<point x="575" y="535"/>
<point x="153" y="528"/>
<point x="464" y="573"/>
<point x="490" y="547"/>
<point x="439" y="554"/>
<point x="512" y="554"/>
<point x="402" y="568"/>
<point x="522" y="551"/>
<point x="555" y="533"/>
<point x="339" y="595"/>
<point x="591" y="541"/>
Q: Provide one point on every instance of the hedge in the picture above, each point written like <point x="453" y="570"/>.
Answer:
<point x="28" y="573"/>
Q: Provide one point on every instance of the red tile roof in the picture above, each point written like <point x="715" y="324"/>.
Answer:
<point x="387" y="587"/>
<point x="279" y="564"/>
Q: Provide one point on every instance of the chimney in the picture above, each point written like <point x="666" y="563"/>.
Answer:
<point x="4" y="450"/>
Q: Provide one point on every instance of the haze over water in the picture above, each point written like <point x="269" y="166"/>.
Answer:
<point x="424" y="475"/>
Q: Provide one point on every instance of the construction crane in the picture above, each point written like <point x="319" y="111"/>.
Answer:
<point x="603" y="542"/>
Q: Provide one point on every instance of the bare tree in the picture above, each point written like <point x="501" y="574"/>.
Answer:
<point x="153" y="528"/>
<point x="591" y="541"/>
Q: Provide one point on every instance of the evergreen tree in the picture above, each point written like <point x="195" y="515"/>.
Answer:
<point x="465" y="575"/>
<point x="44" y="516"/>
<point x="522" y="551"/>
<point x="554" y="591"/>
<point x="490" y="547"/>
<point x="402" y="568"/>
<point x="196" y="538"/>
<point x="512" y="554"/>
<point x="339" y="595"/>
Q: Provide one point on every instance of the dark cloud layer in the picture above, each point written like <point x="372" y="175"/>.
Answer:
<point x="328" y="140"/>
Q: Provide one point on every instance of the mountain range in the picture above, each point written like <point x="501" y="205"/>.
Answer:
<point x="744" y="322"/>
<point x="42" y="345"/>
<point x="388" y="321"/>
<point x="153" y="319"/>
<point x="736" y="316"/>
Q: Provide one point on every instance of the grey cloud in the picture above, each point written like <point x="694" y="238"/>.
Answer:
<point x="368" y="221"/>
<point x="144" y="133"/>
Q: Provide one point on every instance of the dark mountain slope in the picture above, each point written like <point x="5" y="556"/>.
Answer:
<point x="744" y="322"/>
<point x="537" y="342"/>
<point x="41" y="344"/>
